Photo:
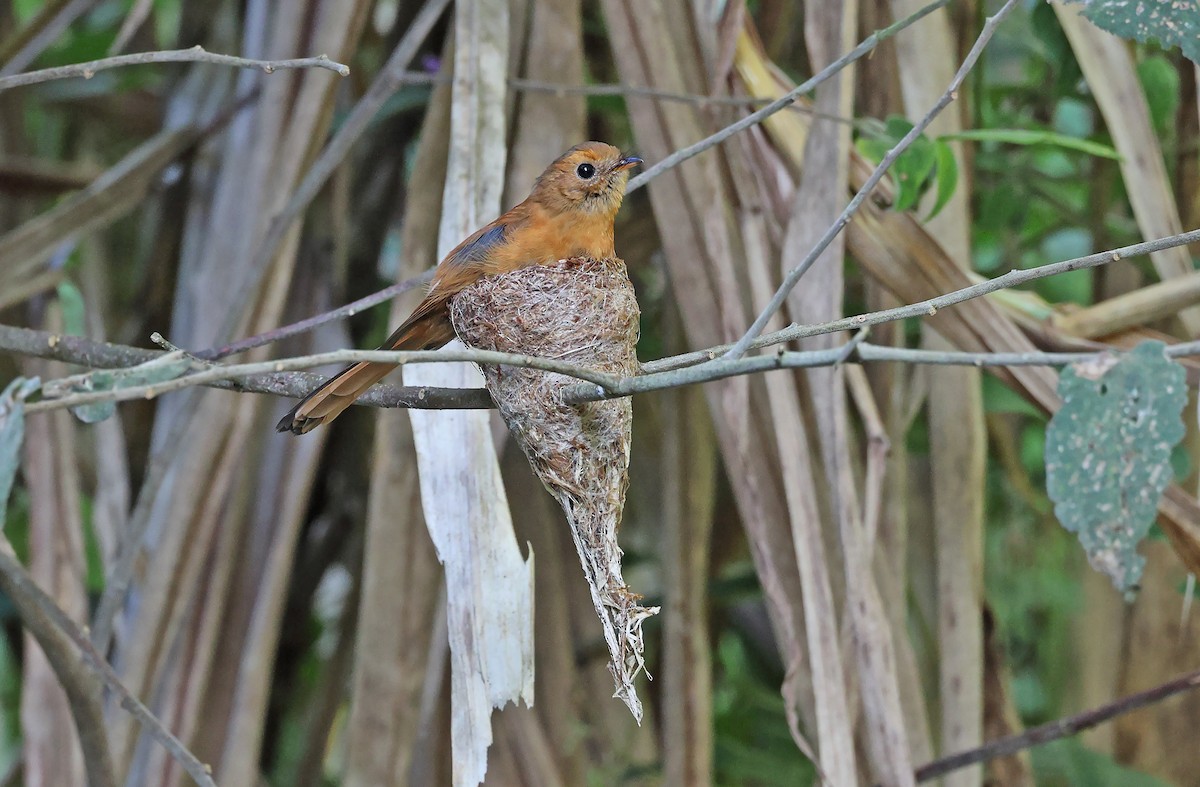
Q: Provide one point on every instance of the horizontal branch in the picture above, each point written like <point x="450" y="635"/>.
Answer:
<point x="196" y="54"/>
<point x="210" y="374"/>
<point x="294" y="385"/>
<point x="855" y="351"/>
<point x="270" y="377"/>
<point x="1061" y="728"/>
<point x="280" y="377"/>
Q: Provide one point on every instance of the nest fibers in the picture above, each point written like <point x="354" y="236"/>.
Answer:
<point x="581" y="311"/>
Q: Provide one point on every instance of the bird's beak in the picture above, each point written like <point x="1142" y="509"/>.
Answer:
<point x="626" y="163"/>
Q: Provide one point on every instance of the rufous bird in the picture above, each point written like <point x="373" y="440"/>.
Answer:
<point x="569" y="213"/>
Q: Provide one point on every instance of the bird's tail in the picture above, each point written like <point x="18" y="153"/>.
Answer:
<point x="423" y="332"/>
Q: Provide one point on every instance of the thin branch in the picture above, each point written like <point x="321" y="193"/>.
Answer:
<point x="78" y="683"/>
<point x="866" y="46"/>
<point x="269" y="377"/>
<point x="294" y="385"/>
<point x="930" y="307"/>
<point x="598" y="384"/>
<point x="196" y="54"/>
<point x="305" y="325"/>
<point x="793" y="276"/>
<point x="19" y="585"/>
<point x="723" y="368"/>
<point x="207" y="374"/>
<point x="1061" y="728"/>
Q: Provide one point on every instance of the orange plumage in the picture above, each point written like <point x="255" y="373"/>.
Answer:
<point x="569" y="213"/>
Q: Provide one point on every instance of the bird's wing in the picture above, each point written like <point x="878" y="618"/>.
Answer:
<point x="457" y="270"/>
<point x="479" y="246"/>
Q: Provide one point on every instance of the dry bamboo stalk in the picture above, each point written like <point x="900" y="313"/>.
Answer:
<point x="926" y="61"/>
<point x="238" y="190"/>
<point x="401" y="575"/>
<point x="690" y="467"/>
<point x="1107" y="65"/>
<point x="50" y="744"/>
<point x="489" y="586"/>
<point x="690" y="209"/>
<point x="829" y="31"/>
<point x="1137" y="307"/>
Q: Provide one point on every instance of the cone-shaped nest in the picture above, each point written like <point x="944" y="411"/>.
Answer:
<point x="580" y="311"/>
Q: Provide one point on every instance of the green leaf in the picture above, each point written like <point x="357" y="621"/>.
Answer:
<point x="1108" y="453"/>
<point x="1029" y="136"/>
<point x="946" y="173"/>
<point x="912" y="169"/>
<point x="1169" y="22"/>
<point x="161" y="369"/>
<point x="70" y="299"/>
<point x="12" y="432"/>
<point x="1160" y="82"/>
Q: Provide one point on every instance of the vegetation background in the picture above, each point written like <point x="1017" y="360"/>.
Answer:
<point x="285" y="608"/>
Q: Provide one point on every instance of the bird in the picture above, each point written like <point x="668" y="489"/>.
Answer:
<point x="568" y="213"/>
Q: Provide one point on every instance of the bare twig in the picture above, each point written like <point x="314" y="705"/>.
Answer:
<point x="308" y="324"/>
<point x="269" y="377"/>
<point x="212" y="373"/>
<point x="930" y="307"/>
<point x="37" y="606"/>
<point x="596" y="385"/>
<point x="1061" y="728"/>
<point x="196" y="54"/>
<point x="294" y="385"/>
<point x="79" y="684"/>
<point x="867" y="45"/>
<point x="793" y="276"/>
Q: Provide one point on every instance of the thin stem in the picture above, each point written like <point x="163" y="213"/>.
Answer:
<point x="865" y="47"/>
<point x="196" y="54"/>
<point x="308" y="324"/>
<point x="930" y="307"/>
<point x="598" y="384"/>
<point x="793" y="276"/>
<point x="1061" y="728"/>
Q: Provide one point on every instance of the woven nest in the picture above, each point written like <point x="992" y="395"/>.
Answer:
<point x="580" y="311"/>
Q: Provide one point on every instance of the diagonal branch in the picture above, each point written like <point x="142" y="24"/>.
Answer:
<point x="1061" y="728"/>
<point x="196" y="54"/>
<point x="930" y="307"/>
<point x="308" y="324"/>
<point x="46" y="620"/>
<point x="865" y="47"/>
<point x="793" y="276"/>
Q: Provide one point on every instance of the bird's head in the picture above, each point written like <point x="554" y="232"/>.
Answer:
<point x="589" y="177"/>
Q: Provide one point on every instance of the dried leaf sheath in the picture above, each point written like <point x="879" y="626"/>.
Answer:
<point x="583" y="311"/>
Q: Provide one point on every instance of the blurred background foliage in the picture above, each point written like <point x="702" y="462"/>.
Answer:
<point x="1036" y="193"/>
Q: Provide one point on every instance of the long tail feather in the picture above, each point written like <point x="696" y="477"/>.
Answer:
<point x="426" y="332"/>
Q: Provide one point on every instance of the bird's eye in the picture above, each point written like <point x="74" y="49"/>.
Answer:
<point x="585" y="171"/>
